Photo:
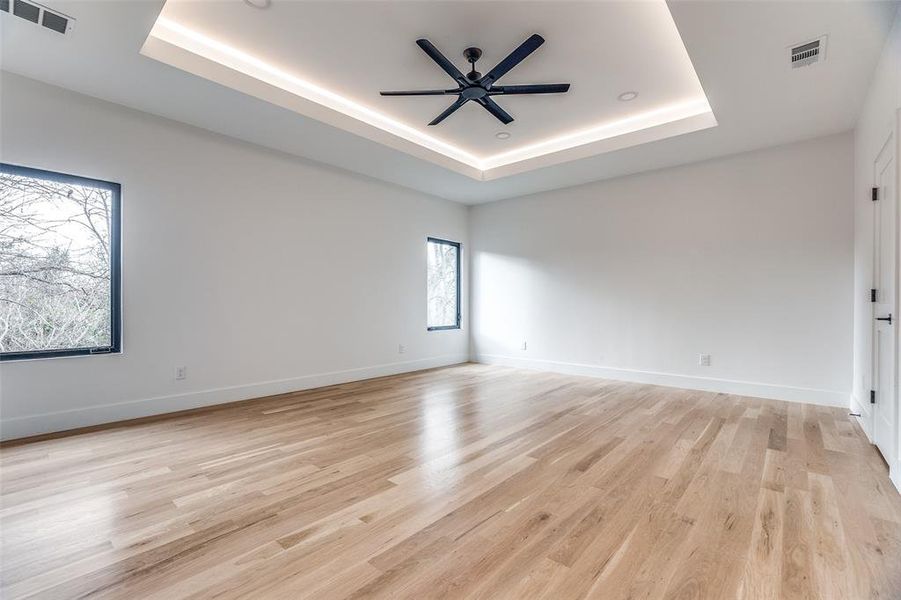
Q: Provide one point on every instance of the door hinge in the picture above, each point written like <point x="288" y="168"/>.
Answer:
<point x="872" y="294"/>
<point x="875" y="194"/>
<point x="872" y="396"/>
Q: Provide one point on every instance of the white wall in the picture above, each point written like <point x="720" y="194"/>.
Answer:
<point x="878" y="120"/>
<point x="747" y="258"/>
<point x="259" y="272"/>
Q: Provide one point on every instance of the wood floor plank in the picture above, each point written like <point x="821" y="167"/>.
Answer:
<point x="464" y="482"/>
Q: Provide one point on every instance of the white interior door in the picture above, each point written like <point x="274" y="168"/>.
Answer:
<point x="885" y="319"/>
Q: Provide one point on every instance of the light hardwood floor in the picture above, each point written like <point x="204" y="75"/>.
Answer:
<point x="465" y="482"/>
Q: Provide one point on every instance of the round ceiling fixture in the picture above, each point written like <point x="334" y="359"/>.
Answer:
<point x="258" y="3"/>
<point x="502" y="135"/>
<point x="627" y="96"/>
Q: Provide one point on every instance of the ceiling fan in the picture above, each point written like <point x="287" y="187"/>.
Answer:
<point x="478" y="88"/>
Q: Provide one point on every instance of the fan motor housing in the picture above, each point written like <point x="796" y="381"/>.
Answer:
<point x="474" y="93"/>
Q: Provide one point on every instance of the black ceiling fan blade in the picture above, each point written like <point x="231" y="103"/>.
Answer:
<point x="450" y="110"/>
<point x="420" y="93"/>
<point x="517" y="56"/>
<point x="541" y="88"/>
<point x="435" y="54"/>
<point x="492" y="107"/>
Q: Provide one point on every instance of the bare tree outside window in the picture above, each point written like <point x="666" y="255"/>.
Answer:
<point x="443" y="284"/>
<point x="56" y="267"/>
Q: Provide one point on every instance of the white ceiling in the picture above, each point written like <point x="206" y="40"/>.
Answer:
<point x="602" y="48"/>
<point x="738" y="49"/>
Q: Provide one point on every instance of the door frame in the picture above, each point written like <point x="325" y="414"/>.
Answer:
<point x="867" y="415"/>
<point x="862" y="406"/>
<point x="895" y="460"/>
<point x="890" y="145"/>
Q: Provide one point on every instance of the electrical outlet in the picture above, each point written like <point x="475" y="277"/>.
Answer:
<point x="401" y="349"/>
<point x="525" y="346"/>
<point x="704" y="360"/>
<point x="181" y="372"/>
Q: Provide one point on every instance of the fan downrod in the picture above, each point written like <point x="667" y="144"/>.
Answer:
<point x="472" y="55"/>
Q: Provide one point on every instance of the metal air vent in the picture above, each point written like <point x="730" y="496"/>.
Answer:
<point x="808" y="53"/>
<point x="38" y="14"/>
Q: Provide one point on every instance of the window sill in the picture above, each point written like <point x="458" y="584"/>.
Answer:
<point x="29" y="356"/>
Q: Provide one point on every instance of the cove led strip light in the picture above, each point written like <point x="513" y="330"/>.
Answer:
<point x="188" y="39"/>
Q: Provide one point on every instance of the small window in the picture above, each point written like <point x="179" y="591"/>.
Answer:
<point x="59" y="264"/>
<point x="443" y="284"/>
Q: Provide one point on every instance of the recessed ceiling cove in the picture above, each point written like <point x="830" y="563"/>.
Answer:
<point x="330" y="60"/>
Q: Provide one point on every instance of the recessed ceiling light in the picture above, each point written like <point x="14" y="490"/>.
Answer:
<point x="502" y="135"/>
<point x="258" y="3"/>
<point x="627" y="96"/>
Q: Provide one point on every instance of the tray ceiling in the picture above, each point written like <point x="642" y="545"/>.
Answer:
<point x="329" y="60"/>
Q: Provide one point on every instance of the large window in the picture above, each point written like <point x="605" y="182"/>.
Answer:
<point x="59" y="264"/>
<point x="443" y="284"/>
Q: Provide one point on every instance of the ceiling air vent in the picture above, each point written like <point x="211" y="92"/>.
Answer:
<point x="38" y="14"/>
<point x="808" y="53"/>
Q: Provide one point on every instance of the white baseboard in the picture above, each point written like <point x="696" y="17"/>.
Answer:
<point x="895" y="476"/>
<point x="708" y="384"/>
<point x="19" y="427"/>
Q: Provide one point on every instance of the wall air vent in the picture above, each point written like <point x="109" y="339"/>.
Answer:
<point x="38" y="14"/>
<point x="808" y="53"/>
<point x="29" y="12"/>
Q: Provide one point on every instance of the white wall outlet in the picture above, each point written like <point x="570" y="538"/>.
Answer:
<point x="401" y="349"/>
<point x="704" y="360"/>
<point x="181" y="372"/>
<point x="525" y="346"/>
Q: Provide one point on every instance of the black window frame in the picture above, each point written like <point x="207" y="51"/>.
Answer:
<point x="115" y="190"/>
<point x="458" y="247"/>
